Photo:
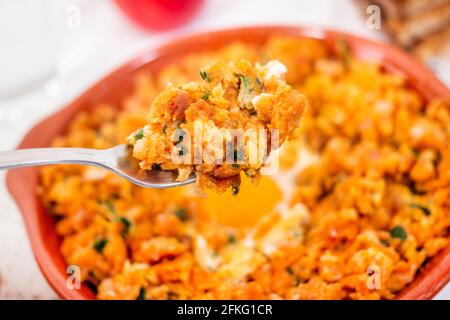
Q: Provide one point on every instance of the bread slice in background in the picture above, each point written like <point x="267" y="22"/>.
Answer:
<point x="411" y="8"/>
<point x="419" y="26"/>
<point x="412" y="30"/>
<point x="403" y="9"/>
<point x="436" y="45"/>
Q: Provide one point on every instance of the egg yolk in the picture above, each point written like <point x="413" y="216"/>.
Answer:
<point x="245" y="209"/>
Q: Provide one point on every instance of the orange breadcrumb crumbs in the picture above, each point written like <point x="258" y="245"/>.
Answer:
<point x="190" y="122"/>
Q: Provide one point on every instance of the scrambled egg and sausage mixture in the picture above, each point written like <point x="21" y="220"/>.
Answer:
<point x="363" y="189"/>
<point x="193" y="127"/>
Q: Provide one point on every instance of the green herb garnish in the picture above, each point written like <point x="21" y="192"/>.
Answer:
<point x="259" y="84"/>
<point x="142" y="294"/>
<point x="206" y="95"/>
<point x="232" y="238"/>
<point x="289" y="270"/>
<point x="437" y="159"/>
<point x="181" y="213"/>
<point x="100" y="244"/>
<point x="126" y="223"/>
<point x="205" y="76"/>
<point x="140" y="134"/>
<point x="398" y="232"/>
<point x="344" y="51"/>
<point x="156" y="166"/>
<point x="244" y="80"/>
<point x="424" y="209"/>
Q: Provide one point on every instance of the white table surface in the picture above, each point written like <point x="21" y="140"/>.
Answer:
<point x="104" y="41"/>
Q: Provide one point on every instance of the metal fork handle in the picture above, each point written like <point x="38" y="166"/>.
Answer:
<point x="45" y="156"/>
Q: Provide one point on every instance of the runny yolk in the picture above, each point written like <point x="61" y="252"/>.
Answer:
<point x="245" y="209"/>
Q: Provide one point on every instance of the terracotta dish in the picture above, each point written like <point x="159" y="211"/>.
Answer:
<point x="112" y="89"/>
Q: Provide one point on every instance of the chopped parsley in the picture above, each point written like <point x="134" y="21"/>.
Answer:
<point x="424" y="209"/>
<point x="182" y="151"/>
<point x="140" y="134"/>
<point x="245" y="92"/>
<point x="108" y="204"/>
<point x="172" y="295"/>
<point x="205" y="76"/>
<point x="142" y="294"/>
<point x="344" y="51"/>
<point x="238" y="155"/>
<point x="100" y="244"/>
<point x="398" y="232"/>
<point x="289" y="270"/>
<point x="181" y="213"/>
<point x="232" y="238"/>
<point x="126" y="223"/>
<point x="206" y="95"/>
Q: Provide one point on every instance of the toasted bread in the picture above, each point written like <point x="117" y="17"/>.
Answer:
<point x="411" y="22"/>
<point x="436" y="45"/>
<point x="410" y="31"/>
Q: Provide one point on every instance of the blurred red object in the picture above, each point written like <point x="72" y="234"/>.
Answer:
<point x="160" y="14"/>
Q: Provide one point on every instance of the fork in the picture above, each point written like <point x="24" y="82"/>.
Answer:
<point x="117" y="159"/>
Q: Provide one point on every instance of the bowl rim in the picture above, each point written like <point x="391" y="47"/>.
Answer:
<point x="433" y="276"/>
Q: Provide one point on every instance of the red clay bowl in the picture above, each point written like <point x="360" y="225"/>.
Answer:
<point x="22" y="183"/>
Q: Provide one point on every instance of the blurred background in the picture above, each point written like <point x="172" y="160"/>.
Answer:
<point x="52" y="50"/>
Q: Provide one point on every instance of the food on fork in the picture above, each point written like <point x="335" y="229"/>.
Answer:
<point x="227" y="124"/>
